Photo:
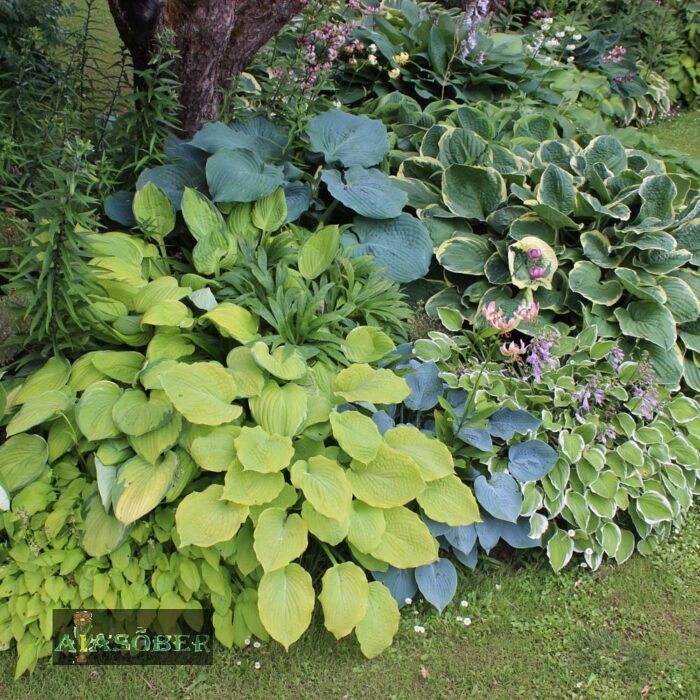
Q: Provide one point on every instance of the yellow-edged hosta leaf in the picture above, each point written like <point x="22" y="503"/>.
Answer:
<point x="281" y="410"/>
<point x="432" y="457"/>
<point x="367" y="344"/>
<point x="325" y="486"/>
<point x="357" y="435"/>
<point x="137" y="414"/>
<point x="448" y="500"/>
<point x="53" y="375"/>
<point x="204" y="519"/>
<point x="141" y="486"/>
<point x="216" y="451"/>
<point x="380" y="624"/>
<point x="202" y="392"/>
<point x="250" y="379"/>
<point x="322" y="528"/>
<point x="390" y="479"/>
<point x="364" y="383"/>
<point x="39" y="409"/>
<point x="283" y="362"/>
<point x="344" y="598"/>
<point x="251" y="488"/>
<point x="234" y="321"/>
<point x="151" y="445"/>
<point x="279" y="538"/>
<point x="22" y="460"/>
<point x="285" y="603"/>
<point x="94" y="411"/>
<point x="367" y="525"/>
<point x="406" y="542"/>
<point x="259" y="451"/>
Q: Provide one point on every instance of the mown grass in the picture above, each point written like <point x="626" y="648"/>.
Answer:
<point x="681" y="132"/>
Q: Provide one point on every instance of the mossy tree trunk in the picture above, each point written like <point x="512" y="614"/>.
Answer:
<point x="216" y="40"/>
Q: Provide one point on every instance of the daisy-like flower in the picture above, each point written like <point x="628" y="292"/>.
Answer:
<point x="467" y="621"/>
<point x="394" y="73"/>
<point x="464" y="604"/>
<point x="560" y="35"/>
<point x="257" y="665"/>
<point x="498" y="586"/>
<point x="419" y="629"/>
<point x="569" y="29"/>
<point x="256" y="645"/>
<point x="247" y="642"/>
<point x="408" y="601"/>
<point x="571" y="533"/>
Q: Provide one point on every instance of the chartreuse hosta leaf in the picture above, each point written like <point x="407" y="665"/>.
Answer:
<point x="448" y="500"/>
<point x="391" y="479"/>
<point x="204" y="519"/>
<point x="318" y="252"/>
<point x="135" y="413"/>
<point x="153" y="211"/>
<point x="152" y="444"/>
<point x="39" y="409"/>
<point x="270" y="212"/>
<point x="279" y="538"/>
<point x="324" y="485"/>
<point x="122" y="366"/>
<point x="283" y="362"/>
<point x="344" y="598"/>
<point x="433" y="458"/>
<point x="285" y="602"/>
<point x="366" y="526"/>
<point x="102" y="532"/>
<point x="202" y="392"/>
<point x="94" y="411"/>
<point x="281" y="410"/>
<point x="250" y="379"/>
<point x="406" y="542"/>
<point x="323" y="528"/>
<point x="364" y="383"/>
<point x="141" y="486"/>
<point x="356" y="434"/>
<point x="52" y="376"/>
<point x="216" y="450"/>
<point x="259" y="451"/>
<point x="251" y="488"/>
<point x="377" y="629"/>
<point x="22" y="460"/>
<point x="234" y="321"/>
<point x="367" y="344"/>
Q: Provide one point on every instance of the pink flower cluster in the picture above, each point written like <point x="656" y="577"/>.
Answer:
<point x="497" y="319"/>
<point x="535" y="271"/>
<point x="616" y="55"/>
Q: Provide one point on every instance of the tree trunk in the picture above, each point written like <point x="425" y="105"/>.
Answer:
<point x="216" y="40"/>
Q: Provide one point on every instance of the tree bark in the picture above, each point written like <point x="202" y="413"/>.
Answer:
<point x="216" y="39"/>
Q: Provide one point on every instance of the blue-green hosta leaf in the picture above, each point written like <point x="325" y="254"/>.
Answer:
<point x="648" y="320"/>
<point x="437" y="582"/>
<point x="668" y="365"/>
<point x="556" y="189"/>
<point x="608" y="151"/>
<point x="118" y="207"/>
<point x="461" y="147"/>
<point x="400" y="582"/>
<point x="499" y="495"/>
<point x="348" y="139"/>
<point x="426" y="387"/>
<point x="402" y="246"/>
<point x="475" y="120"/>
<point x="466" y="254"/>
<point x="688" y="238"/>
<point x="584" y="279"/>
<point x="241" y="176"/>
<point x="638" y="288"/>
<point x="298" y="196"/>
<point x="173" y="178"/>
<point x="517" y="535"/>
<point x="588" y="205"/>
<point x="258" y="135"/>
<point x="476" y="437"/>
<point x="657" y="194"/>
<point x="369" y="192"/>
<point x="472" y="191"/>
<point x="462" y="538"/>
<point x="489" y="531"/>
<point x="681" y="299"/>
<point x="507" y="421"/>
<point x="531" y="460"/>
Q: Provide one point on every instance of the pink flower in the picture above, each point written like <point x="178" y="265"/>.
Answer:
<point x="534" y="253"/>
<point x="527" y="312"/>
<point x="497" y="319"/>
<point x="513" y="351"/>
<point x="536" y="273"/>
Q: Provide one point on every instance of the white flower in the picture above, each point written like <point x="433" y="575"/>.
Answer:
<point x="238" y="663"/>
<point x="579" y="684"/>
<point x="394" y="73"/>
<point x="464" y="604"/>
<point x="576" y="37"/>
<point x="467" y="621"/>
<point x="257" y="665"/>
<point x="571" y="533"/>
<point x="408" y="601"/>
<point x="570" y="59"/>
<point x="551" y="43"/>
<point x="571" y="47"/>
<point x="402" y="58"/>
<point x="459" y="618"/>
<point x="547" y="21"/>
<point x="569" y="29"/>
<point x="247" y="641"/>
<point x="256" y="645"/>
<point x="372" y="59"/>
<point x="589" y="552"/>
<point x="560" y="35"/>
<point x="419" y="629"/>
<point x="584" y="565"/>
<point x="498" y="586"/>
<point x="372" y="48"/>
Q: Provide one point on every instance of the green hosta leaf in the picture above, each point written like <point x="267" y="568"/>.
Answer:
<point x="522" y="266"/>
<point x="324" y="485"/>
<point x="626" y="547"/>
<point x="137" y="414"/>
<point x="93" y="413"/>
<point x="381" y="622"/>
<point x="466" y="254"/>
<point x="284" y="362"/>
<point x="654" y="507"/>
<point x="367" y="344"/>
<point x="630" y="452"/>
<point x="402" y="245"/>
<point x="364" y="383"/>
<point x="318" y="252"/>
<point x="285" y="603"/>
<point x="611" y="538"/>
<point x="241" y="176"/>
<point x="648" y="320"/>
<point x="204" y="519"/>
<point x="122" y="366"/>
<point x="461" y="147"/>
<point x="279" y="539"/>
<point x="681" y="300"/>
<point x="141" y="486"/>
<point x="571" y="445"/>
<point x="250" y="379"/>
<point x="280" y="410"/>
<point x="251" y="488"/>
<point x="202" y="392"/>
<point x="390" y="479"/>
<point x="556" y="189"/>
<point x="216" y="451"/>
<point x="366" y="526"/>
<point x="234" y="321"/>
<point x="356" y="434"/>
<point x="406" y="541"/>
<point x="52" y="376"/>
<point x="683" y="409"/>
<point x="325" y="529"/>
<point x="369" y="192"/>
<point x="344" y="598"/>
<point x="269" y="213"/>
<point x="348" y="139"/>
<point x="657" y="193"/>
<point x="433" y="458"/>
<point x="560" y="548"/>
<point x="259" y="451"/>
<point x="153" y="211"/>
<point x="448" y="500"/>
<point x="472" y="191"/>
<point x="608" y="151"/>
<point x="584" y="279"/>
<point x="22" y="460"/>
<point x="40" y="409"/>
<point x="102" y="533"/>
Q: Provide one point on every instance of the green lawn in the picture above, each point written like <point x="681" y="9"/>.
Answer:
<point x="681" y="132"/>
